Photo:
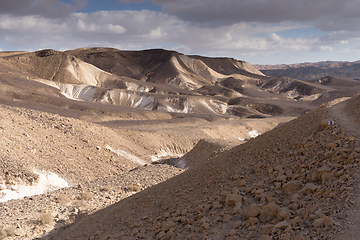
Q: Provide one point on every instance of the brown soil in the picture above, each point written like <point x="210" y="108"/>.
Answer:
<point x="101" y="129"/>
<point x="294" y="182"/>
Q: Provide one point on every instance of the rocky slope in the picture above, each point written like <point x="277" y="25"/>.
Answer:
<point x="294" y="182"/>
<point x="111" y="123"/>
<point x="161" y="80"/>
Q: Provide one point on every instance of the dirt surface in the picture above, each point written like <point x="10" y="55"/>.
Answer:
<point x="298" y="185"/>
<point x="101" y="158"/>
<point x="31" y="217"/>
<point x="159" y="145"/>
<point x="346" y="113"/>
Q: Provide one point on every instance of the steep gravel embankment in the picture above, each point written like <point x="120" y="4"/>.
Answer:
<point x="293" y="182"/>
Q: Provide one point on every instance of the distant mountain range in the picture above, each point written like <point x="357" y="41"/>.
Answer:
<point x="309" y="71"/>
<point x="165" y="81"/>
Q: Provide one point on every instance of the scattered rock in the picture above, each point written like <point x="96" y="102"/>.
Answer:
<point x="253" y="211"/>
<point x="291" y="186"/>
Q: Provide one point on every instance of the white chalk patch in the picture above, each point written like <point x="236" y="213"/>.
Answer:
<point x="126" y="155"/>
<point x="48" y="181"/>
<point x="253" y="133"/>
<point x="165" y="154"/>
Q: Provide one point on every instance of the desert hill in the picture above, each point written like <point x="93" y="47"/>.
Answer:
<point x="297" y="181"/>
<point x="110" y="123"/>
<point x="165" y="81"/>
<point x="310" y="71"/>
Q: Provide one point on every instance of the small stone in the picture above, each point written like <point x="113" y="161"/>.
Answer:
<point x="242" y="183"/>
<point x="326" y="176"/>
<point x="284" y="213"/>
<point x="328" y="221"/>
<point x="269" y="212"/>
<point x="319" y="223"/>
<point x="237" y="208"/>
<point x="281" y="178"/>
<point x="295" y="198"/>
<point x="291" y="186"/>
<point x="237" y="224"/>
<point x="250" y="236"/>
<point x="265" y="237"/>
<point x="205" y="226"/>
<point x="267" y="228"/>
<point x="324" y="168"/>
<point x="160" y="235"/>
<point x="278" y="168"/>
<point x="167" y="225"/>
<point x="314" y="176"/>
<point x="232" y="232"/>
<point x="227" y="218"/>
<point x="253" y="221"/>
<point x="296" y="220"/>
<point x="232" y="199"/>
<point x="282" y="225"/>
<point x="253" y="211"/>
<point x="311" y="187"/>
<point x="299" y="237"/>
<point x="235" y="177"/>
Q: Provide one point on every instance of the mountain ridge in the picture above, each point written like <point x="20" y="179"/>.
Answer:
<point x="311" y="71"/>
<point x="113" y="124"/>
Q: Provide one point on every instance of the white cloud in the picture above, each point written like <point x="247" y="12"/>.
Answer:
<point x="274" y="38"/>
<point x="150" y="29"/>
<point x="326" y="48"/>
<point x="117" y="29"/>
<point x="46" y="8"/>
<point x="326" y="14"/>
<point x="33" y="23"/>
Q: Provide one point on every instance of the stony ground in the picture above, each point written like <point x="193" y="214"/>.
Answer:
<point x="31" y="217"/>
<point x="297" y="181"/>
<point x="104" y="160"/>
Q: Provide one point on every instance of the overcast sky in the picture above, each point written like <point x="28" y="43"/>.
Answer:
<point x="257" y="31"/>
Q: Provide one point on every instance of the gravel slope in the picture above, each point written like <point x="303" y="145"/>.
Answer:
<point x="293" y="182"/>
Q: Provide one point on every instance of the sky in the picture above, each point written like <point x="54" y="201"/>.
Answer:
<point x="256" y="31"/>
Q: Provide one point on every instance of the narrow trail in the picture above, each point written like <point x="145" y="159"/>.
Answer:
<point x="345" y="119"/>
<point x="352" y="127"/>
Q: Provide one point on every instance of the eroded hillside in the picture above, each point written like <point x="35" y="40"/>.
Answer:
<point x="111" y="123"/>
<point x="297" y="181"/>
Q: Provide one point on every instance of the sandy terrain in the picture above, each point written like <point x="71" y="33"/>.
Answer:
<point x="159" y="145"/>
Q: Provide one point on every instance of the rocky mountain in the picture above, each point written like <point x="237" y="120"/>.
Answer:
<point x="171" y="141"/>
<point x="311" y="71"/>
<point x="166" y="81"/>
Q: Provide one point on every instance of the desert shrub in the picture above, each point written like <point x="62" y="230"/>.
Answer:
<point x="87" y="196"/>
<point x="63" y="199"/>
<point x="3" y="234"/>
<point x="80" y="204"/>
<point x="10" y="231"/>
<point x="133" y="188"/>
<point x="106" y="189"/>
<point x="46" y="218"/>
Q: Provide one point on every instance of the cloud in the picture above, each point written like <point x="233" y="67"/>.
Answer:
<point x="131" y="1"/>
<point x="149" y="29"/>
<point x="326" y="14"/>
<point x="45" y="8"/>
